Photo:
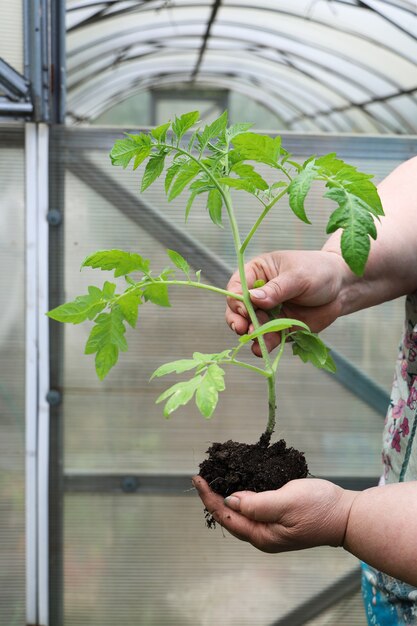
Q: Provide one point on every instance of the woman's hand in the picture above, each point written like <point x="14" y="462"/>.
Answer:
<point x="304" y="513"/>
<point x="308" y="284"/>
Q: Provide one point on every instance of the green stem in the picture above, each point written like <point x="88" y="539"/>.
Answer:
<point x="241" y="266"/>
<point x="189" y="283"/>
<point x="248" y="366"/>
<point x="262" y="216"/>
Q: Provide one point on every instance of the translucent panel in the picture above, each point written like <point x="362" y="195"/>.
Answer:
<point x="12" y="382"/>
<point x="316" y="55"/>
<point x="149" y="560"/>
<point x="11" y="33"/>
<point x="348" y="612"/>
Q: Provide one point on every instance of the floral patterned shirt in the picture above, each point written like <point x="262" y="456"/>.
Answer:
<point x="390" y="602"/>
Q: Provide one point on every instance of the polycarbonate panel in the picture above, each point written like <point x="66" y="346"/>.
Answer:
<point x="348" y="612"/>
<point x="11" y="33"/>
<point x="12" y="379"/>
<point x="149" y="561"/>
<point x="320" y="56"/>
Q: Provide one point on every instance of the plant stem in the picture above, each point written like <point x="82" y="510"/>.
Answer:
<point x="260" y="219"/>
<point x="241" y="266"/>
<point x="248" y="366"/>
<point x="190" y="283"/>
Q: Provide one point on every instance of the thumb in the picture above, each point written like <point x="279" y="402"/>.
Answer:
<point x="266" y="506"/>
<point x="276" y="291"/>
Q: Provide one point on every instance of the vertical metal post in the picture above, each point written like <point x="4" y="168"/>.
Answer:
<point x="37" y="375"/>
<point x="31" y="391"/>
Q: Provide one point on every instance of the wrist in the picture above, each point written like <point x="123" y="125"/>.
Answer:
<point x="345" y="507"/>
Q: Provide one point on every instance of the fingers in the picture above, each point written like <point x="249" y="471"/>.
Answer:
<point x="267" y="506"/>
<point x="239" y="526"/>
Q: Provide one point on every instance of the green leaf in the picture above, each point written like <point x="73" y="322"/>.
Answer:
<point x="309" y="347"/>
<point x="299" y="188"/>
<point x="272" y="327"/>
<point x="214" y="206"/>
<point x="213" y="130"/>
<point x="206" y="359"/>
<point x="153" y="169"/>
<point x="238" y="183"/>
<point x="122" y="262"/>
<point x="246" y="171"/>
<point x="160" y="132"/>
<point x="81" y="309"/>
<point x="179" y="262"/>
<point x="132" y="146"/>
<point x="208" y="390"/>
<point x="129" y="304"/>
<point x="172" y="171"/>
<point x="180" y="366"/>
<point x="354" y="217"/>
<point x="183" y="123"/>
<point x="106" y="358"/>
<point x="179" y="394"/>
<point x="107" y="339"/>
<point x="254" y="147"/>
<point x="157" y="293"/>
<point x="237" y="129"/>
<point x="108" y="290"/>
<point x="185" y="175"/>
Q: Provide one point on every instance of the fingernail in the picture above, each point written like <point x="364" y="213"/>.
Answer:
<point x="233" y="502"/>
<point x="257" y="293"/>
<point x="232" y="326"/>
<point x="241" y="311"/>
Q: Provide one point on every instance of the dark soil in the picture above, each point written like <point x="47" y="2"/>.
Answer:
<point x="233" y="466"/>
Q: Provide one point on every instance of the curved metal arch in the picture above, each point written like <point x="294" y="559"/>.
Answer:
<point x="360" y="86"/>
<point x="145" y="6"/>
<point x="275" y="99"/>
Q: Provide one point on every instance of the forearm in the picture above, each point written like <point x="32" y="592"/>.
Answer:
<point x="391" y="270"/>
<point x="382" y="529"/>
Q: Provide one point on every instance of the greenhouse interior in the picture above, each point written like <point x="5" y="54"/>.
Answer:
<point x="100" y="524"/>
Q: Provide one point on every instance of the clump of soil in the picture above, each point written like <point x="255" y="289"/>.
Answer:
<point x="233" y="466"/>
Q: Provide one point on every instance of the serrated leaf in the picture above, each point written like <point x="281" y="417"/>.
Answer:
<point x="81" y="309"/>
<point x="108" y="290"/>
<point x="153" y="169"/>
<point x="247" y="172"/>
<point x="214" y="206"/>
<point x="120" y="261"/>
<point x="238" y="183"/>
<point x="179" y="394"/>
<point x="207" y="394"/>
<point x="179" y="262"/>
<point x="185" y="175"/>
<point x="212" y="131"/>
<point x="160" y="132"/>
<point x="180" y="366"/>
<point x="171" y="173"/>
<point x="107" y="339"/>
<point x="299" y="188"/>
<point x="132" y="146"/>
<point x="183" y="123"/>
<point x="237" y="129"/>
<point x="261" y="148"/>
<point x="157" y="293"/>
<point x="272" y="327"/>
<point x="108" y="328"/>
<point x="310" y="348"/>
<point x="106" y="358"/>
<point x="206" y="359"/>
<point x="129" y="304"/>
<point x="354" y="218"/>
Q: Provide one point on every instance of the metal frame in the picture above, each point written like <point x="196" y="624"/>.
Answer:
<point x="37" y="375"/>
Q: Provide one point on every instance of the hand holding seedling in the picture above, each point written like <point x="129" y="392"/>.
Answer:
<point x="306" y="285"/>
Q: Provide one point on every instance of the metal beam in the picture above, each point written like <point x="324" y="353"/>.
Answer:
<point x="329" y="596"/>
<point x="171" y="484"/>
<point x="15" y="85"/>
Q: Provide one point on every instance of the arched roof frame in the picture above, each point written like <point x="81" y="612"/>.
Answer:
<point x="358" y="68"/>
